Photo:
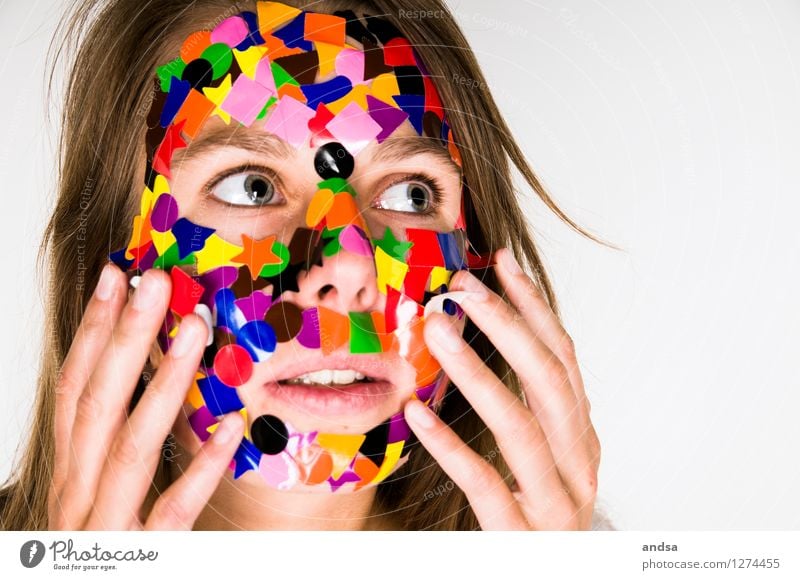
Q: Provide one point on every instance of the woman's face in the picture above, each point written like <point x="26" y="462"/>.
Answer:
<point x="308" y="211"/>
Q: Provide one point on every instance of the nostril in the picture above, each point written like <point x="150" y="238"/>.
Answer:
<point x="325" y="290"/>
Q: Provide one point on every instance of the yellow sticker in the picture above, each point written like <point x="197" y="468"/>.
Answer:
<point x="391" y="458"/>
<point x="342" y="449"/>
<point x="215" y="253"/>
<point x="390" y="271"/>
<point x="216" y="95"/>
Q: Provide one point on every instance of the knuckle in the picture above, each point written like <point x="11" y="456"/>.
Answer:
<point x="483" y="478"/>
<point x="568" y="348"/>
<point x="89" y="407"/>
<point x="555" y="373"/>
<point x="125" y="453"/>
<point x="66" y="386"/>
<point x="170" y="511"/>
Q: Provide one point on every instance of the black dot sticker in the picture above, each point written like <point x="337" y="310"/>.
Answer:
<point x="269" y="434"/>
<point x="199" y="73"/>
<point x="333" y="160"/>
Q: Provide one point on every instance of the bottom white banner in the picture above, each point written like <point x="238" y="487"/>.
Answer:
<point x="378" y="555"/>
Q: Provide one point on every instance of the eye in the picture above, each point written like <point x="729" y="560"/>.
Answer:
<point x="408" y="196"/>
<point x="245" y="188"/>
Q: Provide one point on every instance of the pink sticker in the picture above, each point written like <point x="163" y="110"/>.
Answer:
<point x="353" y="239"/>
<point x="246" y="99"/>
<point x="232" y="31"/>
<point x="353" y="128"/>
<point x="350" y="64"/>
<point x="279" y="471"/>
<point x="289" y="120"/>
<point x="264" y="75"/>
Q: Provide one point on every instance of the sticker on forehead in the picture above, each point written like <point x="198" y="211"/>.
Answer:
<point x="335" y="83"/>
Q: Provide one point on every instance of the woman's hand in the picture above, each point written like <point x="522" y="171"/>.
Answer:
<point x="549" y="444"/>
<point x="104" y="459"/>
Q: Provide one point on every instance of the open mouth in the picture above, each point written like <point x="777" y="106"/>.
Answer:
<point x="329" y="377"/>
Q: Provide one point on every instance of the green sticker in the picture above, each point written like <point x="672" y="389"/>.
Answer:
<point x="220" y="56"/>
<point x="336" y="185"/>
<point x="363" y="338"/>
<point x="392" y="246"/>
<point x="173" y="68"/>
<point x="270" y="270"/>
<point x="171" y="258"/>
<point x="263" y="113"/>
<point x="281" y="76"/>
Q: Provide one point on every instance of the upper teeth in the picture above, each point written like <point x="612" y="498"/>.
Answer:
<point x="328" y="377"/>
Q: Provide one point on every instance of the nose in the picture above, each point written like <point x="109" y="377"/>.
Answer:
<point x="345" y="282"/>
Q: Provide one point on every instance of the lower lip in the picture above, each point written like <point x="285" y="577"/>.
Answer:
<point x="351" y="399"/>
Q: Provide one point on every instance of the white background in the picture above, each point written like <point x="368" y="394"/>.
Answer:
<point x="669" y="128"/>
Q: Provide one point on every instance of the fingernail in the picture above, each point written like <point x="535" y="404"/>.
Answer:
<point x="470" y="283"/>
<point x="436" y="304"/>
<point x="146" y="295"/>
<point x="420" y="414"/>
<point x="509" y="263"/>
<point x="226" y="430"/>
<point x="447" y="337"/>
<point x="183" y="341"/>
<point x="105" y="285"/>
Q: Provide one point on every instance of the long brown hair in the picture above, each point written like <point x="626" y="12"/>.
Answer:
<point x="112" y="48"/>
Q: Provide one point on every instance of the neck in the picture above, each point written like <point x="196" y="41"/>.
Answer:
<point x="249" y="504"/>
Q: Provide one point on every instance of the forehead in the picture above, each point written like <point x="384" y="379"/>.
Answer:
<point x="300" y="76"/>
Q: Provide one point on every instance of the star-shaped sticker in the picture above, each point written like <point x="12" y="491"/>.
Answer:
<point x="257" y="253"/>
<point x="216" y="95"/>
<point x="346" y="477"/>
<point x="286" y="281"/>
<point x="392" y="246"/>
<point x="171" y="143"/>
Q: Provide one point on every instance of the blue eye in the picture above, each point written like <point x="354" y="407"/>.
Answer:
<point x="407" y="196"/>
<point x="246" y="189"/>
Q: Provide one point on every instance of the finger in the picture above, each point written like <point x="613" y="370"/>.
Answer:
<point x="544" y="380"/>
<point x="488" y="495"/>
<point x="519" y="436"/>
<point x="184" y="500"/>
<point x="532" y="305"/>
<point x="103" y="404"/>
<point x="102" y="313"/>
<point x="136" y="450"/>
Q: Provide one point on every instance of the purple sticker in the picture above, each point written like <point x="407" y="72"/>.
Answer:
<point x="387" y="116"/>
<point x="309" y="334"/>
<point x="165" y="213"/>
<point x="255" y="306"/>
<point x="215" y="280"/>
<point x="200" y="421"/>
<point x="398" y="428"/>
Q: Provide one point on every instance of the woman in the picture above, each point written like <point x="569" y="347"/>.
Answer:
<point x="311" y="200"/>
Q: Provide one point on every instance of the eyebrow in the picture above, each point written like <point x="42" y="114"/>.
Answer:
<point x="260" y="142"/>
<point x="397" y="149"/>
<point x="391" y="150"/>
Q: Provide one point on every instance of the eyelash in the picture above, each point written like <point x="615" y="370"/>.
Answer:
<point x="430" y="182"/>
<point x="245" y="167"/>
<point x="427" y="180"/>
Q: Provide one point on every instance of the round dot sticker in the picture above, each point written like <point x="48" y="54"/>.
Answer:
<point x="233" y="365"/>
<point x="269" y="434"/>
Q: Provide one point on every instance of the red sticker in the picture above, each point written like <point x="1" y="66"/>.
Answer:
<point x="233" y="365"/>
